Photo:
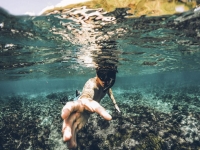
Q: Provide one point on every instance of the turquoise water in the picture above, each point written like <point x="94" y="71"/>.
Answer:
<point x="44" y="59"/>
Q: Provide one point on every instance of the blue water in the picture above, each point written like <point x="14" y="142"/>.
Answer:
<point x="46" y="86"/>
<point x="44" y="59"/>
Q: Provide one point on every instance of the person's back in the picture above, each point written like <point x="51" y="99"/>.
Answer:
<point x="92" y="89"/>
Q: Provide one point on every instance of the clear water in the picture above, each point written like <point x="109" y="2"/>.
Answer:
<point x="61" y="47"/>
<point x="59" y="52"/>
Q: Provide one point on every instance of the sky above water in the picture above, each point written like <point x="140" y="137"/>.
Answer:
<point x="31" y="7"/>
<point x="38" y="7"/>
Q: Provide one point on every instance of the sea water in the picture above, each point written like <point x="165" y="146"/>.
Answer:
<point x="44" y="59"/>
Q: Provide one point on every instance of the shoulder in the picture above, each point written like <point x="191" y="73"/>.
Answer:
<point x="89" y="88"/>
<point x="91" y="83"/>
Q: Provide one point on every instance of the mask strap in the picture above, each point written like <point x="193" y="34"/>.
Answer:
<point x="112" y="81"/>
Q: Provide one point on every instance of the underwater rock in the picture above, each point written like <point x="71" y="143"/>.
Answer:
<point x="46" y="121"/>
<point x="22" y="130"/>
<point x="64" y="100"/>
<point x="140" y="125"/>
<point x="52" y="96"/>
<point x="149" y="63"/>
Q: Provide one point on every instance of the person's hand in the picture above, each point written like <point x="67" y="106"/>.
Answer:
<point x="75" y="115"/>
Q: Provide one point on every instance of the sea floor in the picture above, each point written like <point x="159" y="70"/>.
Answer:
<point x="151" y="119"/>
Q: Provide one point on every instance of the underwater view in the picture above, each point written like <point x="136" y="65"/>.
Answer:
<point x="45" y="58"/>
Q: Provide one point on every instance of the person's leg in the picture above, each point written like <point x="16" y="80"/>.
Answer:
<point x="78" y="94"/>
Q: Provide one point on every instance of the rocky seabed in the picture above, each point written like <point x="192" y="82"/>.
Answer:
<point x="153" y="119"/>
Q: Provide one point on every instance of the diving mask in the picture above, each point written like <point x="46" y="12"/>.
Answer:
<point x="108" y="76"/>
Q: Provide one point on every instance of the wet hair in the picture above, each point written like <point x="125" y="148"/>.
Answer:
<point x="107" y="68"/>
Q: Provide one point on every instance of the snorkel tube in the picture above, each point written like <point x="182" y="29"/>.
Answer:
<point x="110" y="84"/>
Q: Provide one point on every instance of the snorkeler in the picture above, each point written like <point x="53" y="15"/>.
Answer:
<point x="76" y="113"/>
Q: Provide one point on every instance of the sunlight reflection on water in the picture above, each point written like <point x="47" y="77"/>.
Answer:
<point x="75" y="41"/>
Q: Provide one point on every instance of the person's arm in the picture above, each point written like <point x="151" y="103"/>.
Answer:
<point x="75" y="114"/>
<point x="110" y="94"/>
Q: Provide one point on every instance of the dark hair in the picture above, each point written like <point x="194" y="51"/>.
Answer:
<point x="107" y="68"/>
